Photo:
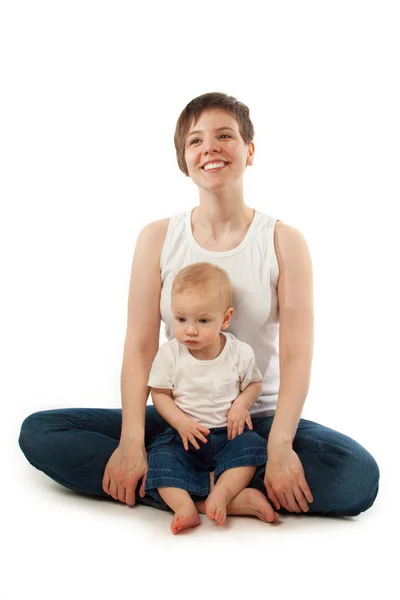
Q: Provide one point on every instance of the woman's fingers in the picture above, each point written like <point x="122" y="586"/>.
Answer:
<point x="291" y="502"/>
<point x="106" y="482"/>
<point x="284" y="503"/>
<point x="131" y="494"/>
<point x="141" y="491"/>
<point x="121" y="492"/>
<point x="296" y="497"/>
<point x="305" y="488"/>
<point x="122" y="473"/>
<point x="301" y="500"/>
<point x="271" y="495"/>
<point x="113" y="489"/>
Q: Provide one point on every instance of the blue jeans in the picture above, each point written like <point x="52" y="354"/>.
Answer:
<point x="73" y="446"/>
<point x="170" y="465"/>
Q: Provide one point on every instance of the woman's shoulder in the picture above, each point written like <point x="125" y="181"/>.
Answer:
<point x="290" y="246"/>
<point x="288" y="235"/>
<point x="151" y="238"/>
<point x="156" y="228"/>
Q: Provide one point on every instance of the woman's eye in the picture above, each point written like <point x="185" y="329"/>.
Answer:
<point x="223" y="135"/>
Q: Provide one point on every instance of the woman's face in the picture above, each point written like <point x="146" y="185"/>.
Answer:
<point x="215" y="152"/>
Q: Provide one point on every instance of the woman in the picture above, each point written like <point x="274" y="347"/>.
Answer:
<point x="310" y="468"/>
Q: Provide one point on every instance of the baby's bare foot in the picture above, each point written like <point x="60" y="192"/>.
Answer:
<point x="215" y="506"/>
<point x="253" y="503"/>
<point x="249" y="502"/>
<point x="184" y="518"/>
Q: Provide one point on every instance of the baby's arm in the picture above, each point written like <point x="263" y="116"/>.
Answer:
<point x="251" y="389"/>
<point x="247" y="398"/>
<point x="161" y="384"/>
<point x="188" y="428"/>
<point x="162" y="400"/>
<point x="238" y="413"/>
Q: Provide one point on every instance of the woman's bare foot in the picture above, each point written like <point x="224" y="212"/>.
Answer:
<point x="249" y="502"/>
<point x="185" y="517"/>
<point x="215" y="506"/>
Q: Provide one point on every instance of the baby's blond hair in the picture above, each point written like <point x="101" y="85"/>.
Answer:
<point x="203" y="277"/>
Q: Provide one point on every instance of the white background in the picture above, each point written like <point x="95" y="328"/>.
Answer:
<point x="90" y="96"/>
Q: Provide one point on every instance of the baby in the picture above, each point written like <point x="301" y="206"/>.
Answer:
<point x="203" y="383"/>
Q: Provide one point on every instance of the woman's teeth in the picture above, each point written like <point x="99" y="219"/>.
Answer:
<point x="210" y="166"/>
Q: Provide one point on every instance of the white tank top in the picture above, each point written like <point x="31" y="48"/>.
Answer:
<point x="253" y="269"/>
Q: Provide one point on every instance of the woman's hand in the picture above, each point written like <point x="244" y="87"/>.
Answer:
<point x="189" y="430"/>
<point x="126" y="466"/>
<point x="237" y="417"/>
<point x="284" y="480"/>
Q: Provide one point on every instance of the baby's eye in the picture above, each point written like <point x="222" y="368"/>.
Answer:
<point x="203" y="320"/>
<point x="180" y="319"/>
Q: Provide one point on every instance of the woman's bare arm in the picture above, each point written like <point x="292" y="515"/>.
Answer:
<point x="143" y="329"/>
<point x="296" y="331"/>
<point x="284" y="478"/>
<point x="128" y="463"/>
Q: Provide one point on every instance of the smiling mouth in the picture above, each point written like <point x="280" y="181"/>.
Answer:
<point x="214" y="166"/>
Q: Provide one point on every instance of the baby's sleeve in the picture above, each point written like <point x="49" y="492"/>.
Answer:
<point x="162" y="368"/>
<point x="248" y="370"/>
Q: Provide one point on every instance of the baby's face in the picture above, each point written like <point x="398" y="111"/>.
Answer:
<point x="197" y="319"/>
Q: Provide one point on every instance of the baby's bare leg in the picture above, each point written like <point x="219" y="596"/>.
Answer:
<point x="179" y="500"/>
<point x="227" y="487"/>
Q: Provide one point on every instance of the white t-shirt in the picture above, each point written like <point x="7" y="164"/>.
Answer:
<point x="205" y="389"/>
<point x="254" y="272"/>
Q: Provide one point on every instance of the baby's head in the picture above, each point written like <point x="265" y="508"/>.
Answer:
<point x="201" y="301"/>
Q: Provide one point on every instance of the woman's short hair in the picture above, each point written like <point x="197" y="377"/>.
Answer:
<point x="203" y="277"/>
<point x="206" y="102"/>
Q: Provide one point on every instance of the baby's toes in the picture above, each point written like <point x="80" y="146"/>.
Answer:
<point x="210" y="510"/>
<point x="220" y="516"/>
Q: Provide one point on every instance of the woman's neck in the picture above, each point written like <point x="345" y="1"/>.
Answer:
<point x="222" y="209"/>
<point x="220" y="229"/>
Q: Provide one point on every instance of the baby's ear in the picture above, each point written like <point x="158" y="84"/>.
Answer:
<point x="227" y="317"/>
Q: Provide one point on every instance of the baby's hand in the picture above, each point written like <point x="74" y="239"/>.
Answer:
<point x="189" y="430"/>
<point x="237" y="417"/>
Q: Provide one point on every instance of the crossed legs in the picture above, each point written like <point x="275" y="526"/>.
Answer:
<point x="227" y="496"/>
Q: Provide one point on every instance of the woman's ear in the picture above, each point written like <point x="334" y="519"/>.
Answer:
<point x="250" y="156"/>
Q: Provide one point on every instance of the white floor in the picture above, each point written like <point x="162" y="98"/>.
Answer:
<point x="61" y="545"/>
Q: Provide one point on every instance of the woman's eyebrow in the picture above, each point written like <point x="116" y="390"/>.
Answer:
<point x="217" y="129"/>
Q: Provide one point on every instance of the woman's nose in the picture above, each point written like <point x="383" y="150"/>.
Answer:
<point x="211" y="145"/>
